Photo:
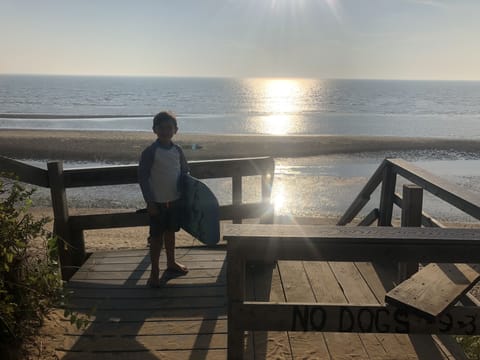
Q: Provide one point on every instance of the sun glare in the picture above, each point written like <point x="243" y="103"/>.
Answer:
<point x="281" y="99"/>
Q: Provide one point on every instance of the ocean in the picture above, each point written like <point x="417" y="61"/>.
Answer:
<point x="313" y="186"/>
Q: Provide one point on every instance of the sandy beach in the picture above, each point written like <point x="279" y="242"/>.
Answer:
<point x="126" y="146"/>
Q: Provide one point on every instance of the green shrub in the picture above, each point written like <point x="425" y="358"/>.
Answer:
<point x="30" y="283"/>
<point x="471" y="346"/>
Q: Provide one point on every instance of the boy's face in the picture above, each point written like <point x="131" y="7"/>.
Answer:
<point x="165" y="131"/>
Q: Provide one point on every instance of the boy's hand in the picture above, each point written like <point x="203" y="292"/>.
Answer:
<point x="152" y="209"/>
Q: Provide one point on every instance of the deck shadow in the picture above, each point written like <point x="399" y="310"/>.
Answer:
<point x="121" y="320"/>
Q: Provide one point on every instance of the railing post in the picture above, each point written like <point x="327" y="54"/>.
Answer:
<point x="386" y="197"/>
<point x="71" y="253"/>
<point x="236" y="196"/>
<point x="412" y="202"/>
<point x="236" y="294"/>
<point x="267" y="181"/>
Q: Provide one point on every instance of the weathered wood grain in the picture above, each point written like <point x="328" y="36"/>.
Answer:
<point x="434" y="288"/>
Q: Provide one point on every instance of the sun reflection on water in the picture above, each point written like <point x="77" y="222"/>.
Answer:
<point x="281" y="102"/>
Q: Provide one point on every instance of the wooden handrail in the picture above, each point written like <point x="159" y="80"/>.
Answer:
<point x="461" y="198"/>
<point x="454" y="195"/>
<point x="364" y="196"/>
<point x="24" y="172"/>
<point x="69" y="229"/>
<point x="204" y="169"/>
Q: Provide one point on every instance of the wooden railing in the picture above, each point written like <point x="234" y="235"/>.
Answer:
<point x="267" y="243"/>
<point x="386" y="174"/>
<point x="69" y="229"/>
<point x="407" y="245"/>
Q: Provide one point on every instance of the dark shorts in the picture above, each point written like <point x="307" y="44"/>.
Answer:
<point x="168" y="218"/>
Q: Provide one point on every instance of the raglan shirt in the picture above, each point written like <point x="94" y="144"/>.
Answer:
<point x="160" y="171"/>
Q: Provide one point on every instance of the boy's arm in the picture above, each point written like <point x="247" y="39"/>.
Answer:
<point x="144" y="168"/>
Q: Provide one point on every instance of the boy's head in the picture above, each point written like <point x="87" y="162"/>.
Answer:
<point x="165" y="126"/>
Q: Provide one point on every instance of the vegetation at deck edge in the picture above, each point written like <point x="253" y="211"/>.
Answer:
<point x="30" y="283"/>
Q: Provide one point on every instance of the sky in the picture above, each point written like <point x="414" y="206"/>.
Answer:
<point x="366" y="39"/>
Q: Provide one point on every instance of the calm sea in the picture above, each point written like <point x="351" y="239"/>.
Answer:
<point x="244" y="106"/>
<point x="323" y="185"/>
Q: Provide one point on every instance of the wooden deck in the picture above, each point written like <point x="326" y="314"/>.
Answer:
<point x="187" y="318"/>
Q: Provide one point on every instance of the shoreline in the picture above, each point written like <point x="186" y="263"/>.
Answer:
<point x="127" y="146"/>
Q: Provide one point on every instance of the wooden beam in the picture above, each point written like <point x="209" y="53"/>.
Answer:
<point x="206" y="169"/>
<point x="432" y="290"/>
<point x="367" y="318"/>
<point x="24" y="172"/>
<point x="72" y="254"/>
<point x="455" y="195"/>
<point x="364" y="196"/>
<point x="237" y="195"/>
<point x="386" y="196"/>
<point x="337" y="243"/>
<point x="236" y="294"/>
<point x="133" y="219"/>
<point x="370" y="218"/>
<point x="427" y="219"/>
<point x="411" y="217"/>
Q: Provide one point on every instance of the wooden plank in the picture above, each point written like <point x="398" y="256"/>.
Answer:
<point x="159" y="328"/>
<point x="71" y="255"/>
<point x="208" y="354"/>
<point x="23" y="172"/>
<point x="145" y="265"/>
<point x="146" y="303"/>
<point x="195" y="276"/>
<point x="370" y="218"/>
<point x="146" y="292"/>
<point x="386" y="196"/>
<point x="411" y="216"/>
<point x="348" y="318"/>
<point x="133" y="219"/>
<point x="459" y="197"/>
<point x="297" y="287"/>
<point x="204" y="169"/>
<point x="326" y="289"/>
<point x="181" y="254"/>
<point x="427" y="220"/>
<point x="267" y="286"/>
<point x="237" y="195"/>
<point x="199" y="250"/>
<point x="270" y="242"/>
<point x="381" y="277"/>
<point x="141" y="343"/>
<point x="364" y="196"/>
<point x="236" y="294"/>
<point x="142" y="315"/>
<point x="357" y="291"/>
<point x="433" y="289"/>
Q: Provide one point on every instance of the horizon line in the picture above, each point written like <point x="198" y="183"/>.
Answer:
<point x="231" y="77"/>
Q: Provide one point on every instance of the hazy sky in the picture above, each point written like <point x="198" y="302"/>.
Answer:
<point x="391" y="39"/>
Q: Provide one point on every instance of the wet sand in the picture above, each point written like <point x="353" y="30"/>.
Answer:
<point x="127" y="146"/>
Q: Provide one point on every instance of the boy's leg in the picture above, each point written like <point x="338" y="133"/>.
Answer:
<point x="156" y="243"/>
<point x="170" y="251"/>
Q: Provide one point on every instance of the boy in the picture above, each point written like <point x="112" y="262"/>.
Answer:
<point x="160" y="173"/>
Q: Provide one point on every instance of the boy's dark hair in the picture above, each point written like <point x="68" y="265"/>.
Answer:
<point x="165" y="116"/>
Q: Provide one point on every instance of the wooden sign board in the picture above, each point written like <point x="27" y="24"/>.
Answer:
<point x="352" y="318"/>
